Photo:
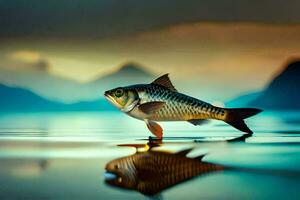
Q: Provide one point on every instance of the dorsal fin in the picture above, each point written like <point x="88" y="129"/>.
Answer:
<point x="200" y="157"/>
<point x="184" y="152"/>
<point x="165" y="81"/>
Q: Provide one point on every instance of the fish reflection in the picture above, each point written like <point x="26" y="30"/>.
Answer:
<point x="153" y="171"/>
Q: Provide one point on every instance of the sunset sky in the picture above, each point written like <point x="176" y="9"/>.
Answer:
<point x="224" y="45"/>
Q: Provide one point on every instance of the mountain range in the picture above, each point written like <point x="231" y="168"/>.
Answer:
<point x="18" y="99"/>
<point x="282" y="92"/>
<point x="21" y="100"/>
<point x="65" y="90"/>
<point x="21" y="93"/>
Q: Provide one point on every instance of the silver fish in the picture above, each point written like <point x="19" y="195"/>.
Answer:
<point x="160" y="101"/>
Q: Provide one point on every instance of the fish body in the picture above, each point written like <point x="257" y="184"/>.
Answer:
<point x="177" y="106"/>
<point x="153" y="171"/>
<point x="160" y="101"/>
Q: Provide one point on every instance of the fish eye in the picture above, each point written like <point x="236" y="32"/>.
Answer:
<point x="116" y="166"/>
<point x="119" y="92"/>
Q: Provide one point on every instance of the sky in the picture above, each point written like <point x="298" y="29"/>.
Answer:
<point x="103" y="18"/>
<point x="236" y="45"/>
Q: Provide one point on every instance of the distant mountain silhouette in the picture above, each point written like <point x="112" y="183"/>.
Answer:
<point x="128" y="73"/>
<point x="130" y="69"/>
<point x="283" y="92"/>
<point x="22" y="100"/>
<point x="69" y="91"/>
<point x="45" y="84"/>
<point x="17" y="99"/>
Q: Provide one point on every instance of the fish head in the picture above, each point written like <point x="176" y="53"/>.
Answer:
<point x="121" y="97"/>
<point x="121" y="173"/>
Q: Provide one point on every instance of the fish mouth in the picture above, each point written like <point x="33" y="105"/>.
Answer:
<point x="108" y="97"/>
<point x="106" y="94"/>
<point x="111" y="99"/>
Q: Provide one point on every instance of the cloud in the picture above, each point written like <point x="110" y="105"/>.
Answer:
<point x="25" y="60"/>
<point x="25" y="56"/>
<point x="106" y="18"/>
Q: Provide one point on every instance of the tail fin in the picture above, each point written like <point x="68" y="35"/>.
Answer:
<point x="236" y="117"/>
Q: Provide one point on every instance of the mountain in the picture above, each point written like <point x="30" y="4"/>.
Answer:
<point x="129" y="73"/>
<point x="45" y="84"/>
<point x="18" y="99"/>
<point x="130" y="69"/>
<point x="32" y="90"/>
<point x="69" y="91"/>
<point x="22" y="100"/>
<point x="283" y="92"/>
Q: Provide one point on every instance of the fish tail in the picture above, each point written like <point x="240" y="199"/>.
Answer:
<point x="235" y="117"/>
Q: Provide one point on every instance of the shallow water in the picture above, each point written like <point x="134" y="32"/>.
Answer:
<point x="63" y="156"/>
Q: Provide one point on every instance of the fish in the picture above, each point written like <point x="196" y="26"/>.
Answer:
<point x="153" y="171"/>
<point x="160" y="101"/>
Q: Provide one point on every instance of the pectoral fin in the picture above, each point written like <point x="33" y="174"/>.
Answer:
<point x="151" y="107"/>
<point x="155" y="128"/>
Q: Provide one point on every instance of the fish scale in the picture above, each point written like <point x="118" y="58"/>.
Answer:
<point x="178" y="106"/>
<point x="151" y="172"/>
<point x="175" y="169"/>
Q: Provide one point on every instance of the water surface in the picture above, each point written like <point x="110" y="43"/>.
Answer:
<point x="63" y="156"/>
